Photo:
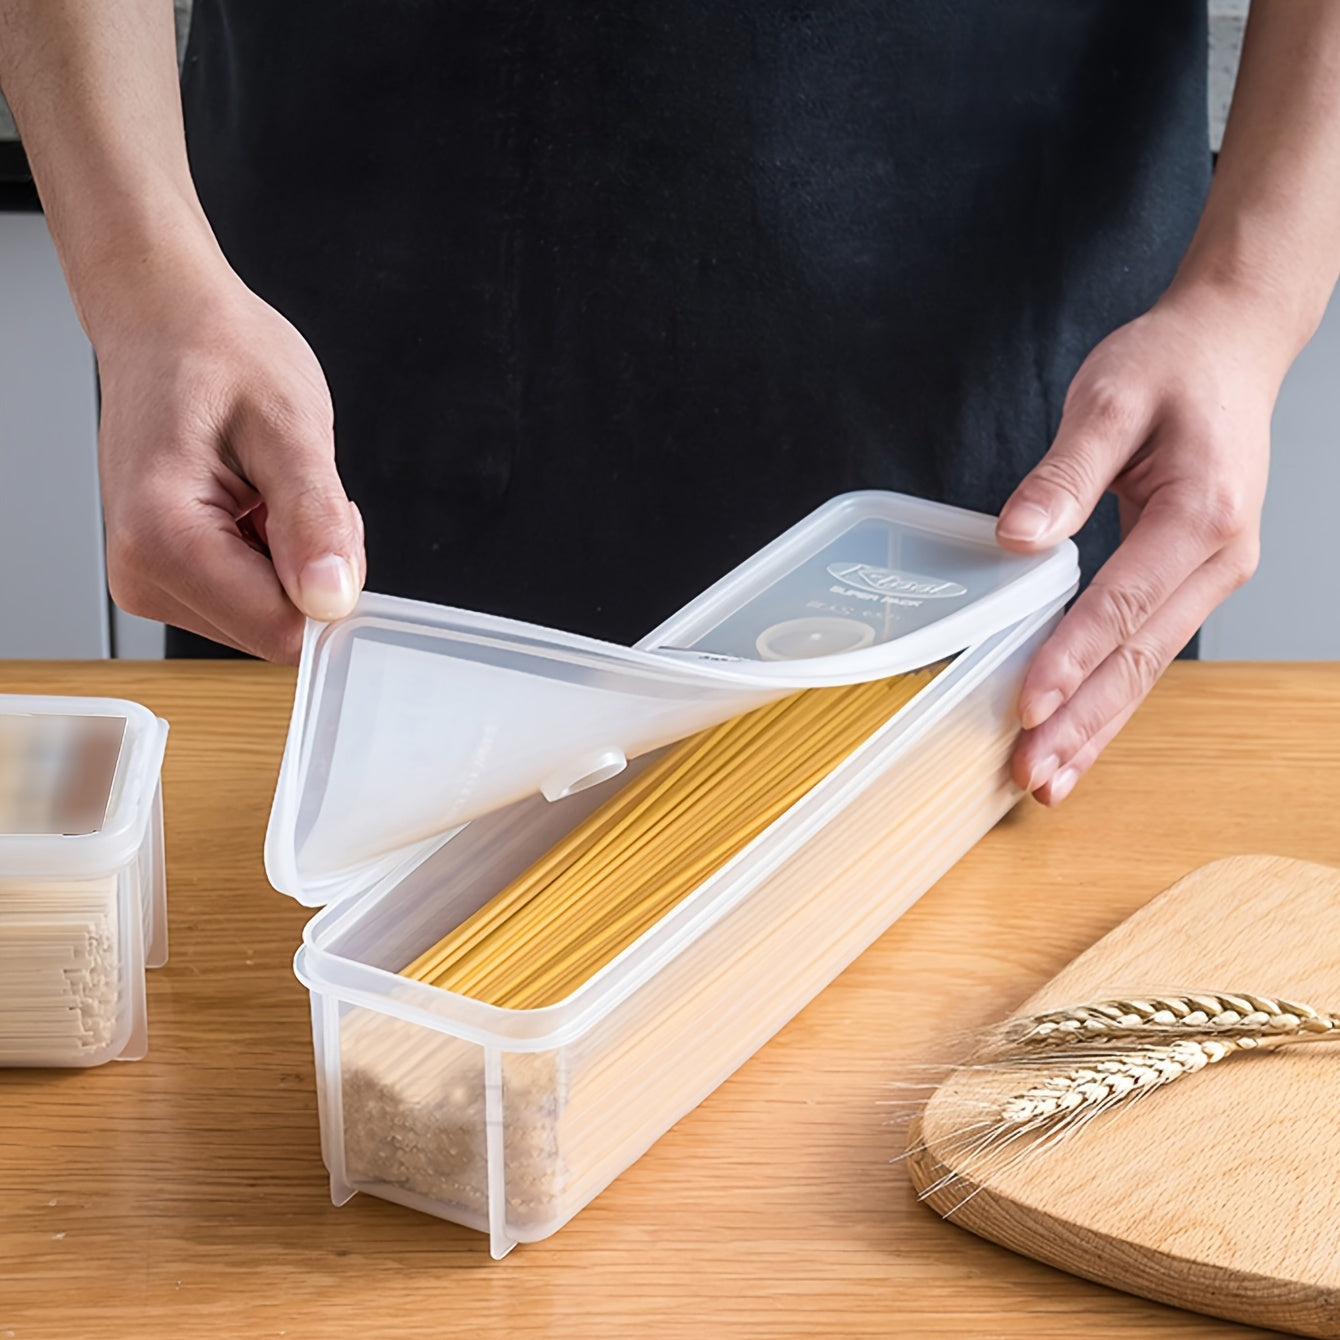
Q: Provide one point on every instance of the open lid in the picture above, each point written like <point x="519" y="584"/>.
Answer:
<point x="411" y="719"/>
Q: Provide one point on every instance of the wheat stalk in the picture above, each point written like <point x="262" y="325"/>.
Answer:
<point x="1101" y="1055"/>
<point x="1209" y="1014"/>
<point x="1024" y="1122"/>
<point x="1141" y="1043"/>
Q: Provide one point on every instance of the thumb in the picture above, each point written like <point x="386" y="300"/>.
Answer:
<point x="1098" y="435"/>
<point x="311" y="527"/>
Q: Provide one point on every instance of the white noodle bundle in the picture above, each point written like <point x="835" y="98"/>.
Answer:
<point x="59" y="969"/>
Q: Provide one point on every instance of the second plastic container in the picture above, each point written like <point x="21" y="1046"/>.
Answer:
<point x="82" y="894"/>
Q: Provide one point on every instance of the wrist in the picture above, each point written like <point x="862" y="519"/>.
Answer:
<point x="1244" y="290"/>
<point x="140" y="264"/>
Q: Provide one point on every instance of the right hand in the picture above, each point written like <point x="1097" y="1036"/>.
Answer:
<point x="224" y="511"/>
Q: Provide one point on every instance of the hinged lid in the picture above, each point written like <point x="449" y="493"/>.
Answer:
<point x="411" y="719"/>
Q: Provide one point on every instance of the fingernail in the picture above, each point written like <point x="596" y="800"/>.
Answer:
<point x="1024" y="521"/>
<point x="1037" y="710"/>
<point x="1042" y="772"/>
<point x="1063" y="784"/>
<point x="326" y="588"/>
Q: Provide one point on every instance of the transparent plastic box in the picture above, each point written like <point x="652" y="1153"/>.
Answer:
<point x="434" y="754"/>
<point x="82" y="889"/>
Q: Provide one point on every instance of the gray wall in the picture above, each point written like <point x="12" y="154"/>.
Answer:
<point x="53" y="602"/>
<point x="1291" y="609"/>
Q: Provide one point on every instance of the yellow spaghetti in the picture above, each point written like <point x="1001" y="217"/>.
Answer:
<point x="650" y="845"/>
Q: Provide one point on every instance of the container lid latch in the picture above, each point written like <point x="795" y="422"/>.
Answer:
<point x="590" y="770"/>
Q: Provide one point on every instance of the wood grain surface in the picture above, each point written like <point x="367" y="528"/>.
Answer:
<point x="184" y="1195"/>
<point x="1220" y="1192"/>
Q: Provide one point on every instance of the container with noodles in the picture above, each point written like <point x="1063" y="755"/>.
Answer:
<point x="82" y="909"/>
<point x="571" y="886"/>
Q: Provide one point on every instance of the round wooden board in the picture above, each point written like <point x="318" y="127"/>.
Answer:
<point x="1221" y="1192"/>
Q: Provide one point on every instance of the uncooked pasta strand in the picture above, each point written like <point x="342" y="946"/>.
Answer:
<point x="600" y="828"/>
<point x="682" y="871"/>
<point x="571" y="856"/>
<point x="680" y="866"/>
<point x="641" y="853"/>
<point x="693" y="853"/>
<point x="596" y="902"/>
<point x="802" y="726"/>
<point x="694" y="812"/>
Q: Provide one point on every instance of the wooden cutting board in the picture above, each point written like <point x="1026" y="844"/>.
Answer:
<point x="1221" y="1192"/>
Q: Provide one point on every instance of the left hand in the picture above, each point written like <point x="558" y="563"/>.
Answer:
<point x="1172" y="413"/>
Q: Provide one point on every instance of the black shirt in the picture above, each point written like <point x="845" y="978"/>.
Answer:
<point x="609" y="294"/>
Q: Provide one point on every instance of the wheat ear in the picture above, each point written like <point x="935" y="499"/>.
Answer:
<point x="1157" y="1018"/>
<point x="1102" y="1055"/>
<point x="1091" y="1088"/>
<point x="1027" y="1121"/>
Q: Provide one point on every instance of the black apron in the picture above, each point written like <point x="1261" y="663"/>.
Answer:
<point x="608" y="295"/>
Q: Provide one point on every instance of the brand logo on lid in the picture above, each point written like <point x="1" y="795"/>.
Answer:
<point x="887" y="582"/>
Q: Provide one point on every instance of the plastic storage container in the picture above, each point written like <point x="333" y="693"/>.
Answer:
<point x="82" y="893"/>
<point x="434" y="754"/>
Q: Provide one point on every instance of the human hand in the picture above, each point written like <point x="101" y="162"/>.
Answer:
<point x="1172" y="413"/>
<point x="224" y="511"/>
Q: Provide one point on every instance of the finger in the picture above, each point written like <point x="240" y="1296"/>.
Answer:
<point x="173" y="612"/>
<point x="1167" y="545"/>
<point x="148" y="600"/>
<point x="204" y="576"/>
<point x="1101" y="429"/>
<point x="251" y="526"/>
<point x="1063" y="781"/>
<point x="310" y="528"/>
<point x="1127" y="674"/>
<point x="181" y="616"/>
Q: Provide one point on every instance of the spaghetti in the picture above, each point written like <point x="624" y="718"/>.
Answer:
<point x="648" y="847"/>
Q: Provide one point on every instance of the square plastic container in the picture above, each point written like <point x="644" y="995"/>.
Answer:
<point x="434" y="754"/>
<point x="82" y="892"/>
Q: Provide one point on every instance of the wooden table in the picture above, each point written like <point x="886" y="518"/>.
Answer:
<point x="185" y="1195"/>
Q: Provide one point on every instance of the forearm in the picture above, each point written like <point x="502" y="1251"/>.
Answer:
<point x="1269" y="238"/>
<point x="94" y="91"/>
